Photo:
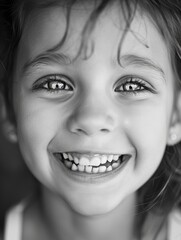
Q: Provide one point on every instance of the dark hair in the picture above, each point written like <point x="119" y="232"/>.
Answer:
<point x="162" y="192"/>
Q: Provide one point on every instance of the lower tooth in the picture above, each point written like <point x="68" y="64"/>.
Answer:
<point x="88" y="169"/>
<point x="109" y="168"/>
<point x="68" y="163"/>
<point x="81" y="168"/>
<point x="102" y="169"/>
<point x="95" y="169"/>
<point x="74" y="167"/>
<point x="115" y="165"/>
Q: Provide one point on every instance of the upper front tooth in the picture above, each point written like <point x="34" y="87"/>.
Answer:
<point x="84" y="161"/>
<point x="95" y="161"/>
<point x="103" y="159"/>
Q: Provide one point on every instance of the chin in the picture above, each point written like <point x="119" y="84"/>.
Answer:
<point x="93" y="208"/>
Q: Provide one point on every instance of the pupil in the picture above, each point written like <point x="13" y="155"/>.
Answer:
<point x="56" y="85"/>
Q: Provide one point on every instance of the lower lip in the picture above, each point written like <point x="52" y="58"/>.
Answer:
<point x="84" y="177"/>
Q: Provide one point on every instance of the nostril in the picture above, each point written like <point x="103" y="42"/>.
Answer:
<point x="79" y="130"/>
<point x="82" y="131"/>
<point x="104" y="130"/>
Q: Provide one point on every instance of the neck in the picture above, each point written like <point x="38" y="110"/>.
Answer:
<point x="64" y="223"/>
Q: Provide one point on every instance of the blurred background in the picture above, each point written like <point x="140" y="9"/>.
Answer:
<point x="16" y="182"/>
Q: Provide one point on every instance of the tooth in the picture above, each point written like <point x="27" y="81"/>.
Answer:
<point x="115" y="165"/>
<point x="74" y="167"/>
<point x="88" y="169"/>
<point x="103" y="159"/>
<point x="84" y="161"/>
<point x="68" y="163"/>
<point x="110" y="158"/>
<point x="76" y="160"/>
<point x="102" y="169"/>
<point x="109" y="169"/>
<point x="115" y="157"/>
<point x="81" y="168"/>
<point x="95" y="161"/>
<point x="70" y="157"/>
<point x="65" y="155"/>
<point x="95" y="169"/>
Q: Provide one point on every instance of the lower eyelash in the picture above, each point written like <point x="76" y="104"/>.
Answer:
<point x="133" y="91"/>
<point x="42" y="87"/>
<point x="137" y="81"/>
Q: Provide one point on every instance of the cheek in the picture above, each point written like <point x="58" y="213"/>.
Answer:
<point x="36" y="127"/>
<point x="149" y="137"/>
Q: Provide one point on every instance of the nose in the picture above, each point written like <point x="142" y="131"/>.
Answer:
<point x="91" y="118"/>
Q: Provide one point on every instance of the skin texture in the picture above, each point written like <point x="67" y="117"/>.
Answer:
<point x="96" y="113"/>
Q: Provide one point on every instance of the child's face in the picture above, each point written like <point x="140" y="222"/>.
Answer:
<point x="98" y="107"/>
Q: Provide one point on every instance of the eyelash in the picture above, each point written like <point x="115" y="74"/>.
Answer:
<point x="135" y="86"/>
<point x="59" y="81"/>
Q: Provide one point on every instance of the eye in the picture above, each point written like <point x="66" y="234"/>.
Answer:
<point x="56" y="85"/>
<point x="53" y="83"/>
<point x="133" y="85"/>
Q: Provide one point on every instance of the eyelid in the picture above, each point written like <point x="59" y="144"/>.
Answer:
<point x="53" y="77"/>
<point x="137" y="79"/>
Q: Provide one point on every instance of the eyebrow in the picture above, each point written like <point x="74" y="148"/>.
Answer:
<point x="129" y="60"/>
<point x="46" y="58"/>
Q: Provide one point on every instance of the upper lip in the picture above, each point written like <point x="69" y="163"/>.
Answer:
<point x="90" y="152"/>
<point x="93" y="153"/>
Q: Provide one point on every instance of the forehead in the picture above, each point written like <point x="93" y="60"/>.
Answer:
<point x="53" y="22"/>
<point x="45" y="29"/>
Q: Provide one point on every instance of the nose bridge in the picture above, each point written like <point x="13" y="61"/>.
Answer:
<point x="92" y="115"/>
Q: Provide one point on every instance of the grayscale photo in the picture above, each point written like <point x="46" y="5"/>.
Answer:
<point x="90" y="120"/>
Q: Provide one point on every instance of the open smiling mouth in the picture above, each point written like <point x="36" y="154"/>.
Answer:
<point x="92" y="163"/>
